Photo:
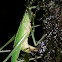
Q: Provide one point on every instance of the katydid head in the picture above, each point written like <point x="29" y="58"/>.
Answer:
<point x="30" y="13"/>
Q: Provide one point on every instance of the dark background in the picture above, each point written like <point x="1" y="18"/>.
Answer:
<point x="11" y="14"/>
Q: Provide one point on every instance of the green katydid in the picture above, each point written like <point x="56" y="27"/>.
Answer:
<point x="24" y="27"/>
<point x="22" y="33"/>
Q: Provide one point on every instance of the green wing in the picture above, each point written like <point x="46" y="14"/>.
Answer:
<point x="19" y="35"/>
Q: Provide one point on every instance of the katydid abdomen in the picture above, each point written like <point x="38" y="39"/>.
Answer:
<point x="24" y="27"/>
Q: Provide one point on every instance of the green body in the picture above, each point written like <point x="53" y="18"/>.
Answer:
<point x="20" y="33"/>
<point x="21" y="39"/>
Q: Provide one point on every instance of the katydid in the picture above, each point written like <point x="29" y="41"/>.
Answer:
<point x="24" y="28"/>
<point x="21" y="39"/>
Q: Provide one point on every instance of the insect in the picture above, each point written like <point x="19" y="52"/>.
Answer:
<point x="23" y="28"/>
<point x="21" y="39"/>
